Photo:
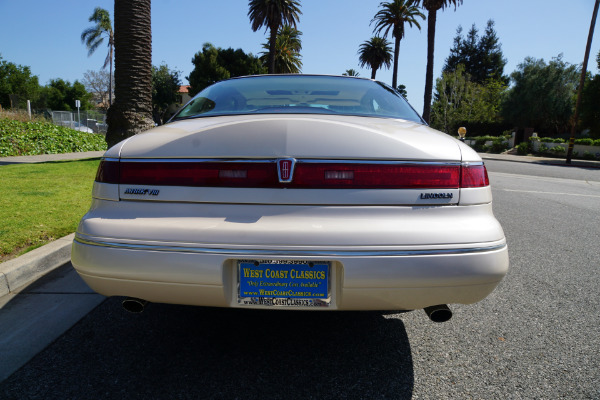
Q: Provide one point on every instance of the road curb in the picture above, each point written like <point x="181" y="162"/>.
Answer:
<point x="23" y="270"/>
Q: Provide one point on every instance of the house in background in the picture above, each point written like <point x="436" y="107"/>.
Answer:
<point x="182" y="99"/>
<point x="184" y="95"/>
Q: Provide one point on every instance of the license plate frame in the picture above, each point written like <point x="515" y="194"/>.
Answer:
<point x="284" y="283"/>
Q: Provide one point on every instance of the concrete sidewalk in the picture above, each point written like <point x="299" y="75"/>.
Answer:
<point x="36" y="315"/>
<point x="50" y="157"/>
<point x="540" y="160"/>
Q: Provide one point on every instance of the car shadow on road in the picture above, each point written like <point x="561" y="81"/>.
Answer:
<point x="171" y="352"/>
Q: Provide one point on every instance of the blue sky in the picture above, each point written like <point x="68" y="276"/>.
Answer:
<point x="45" y="35"/>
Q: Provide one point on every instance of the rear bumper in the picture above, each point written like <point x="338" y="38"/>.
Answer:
<point x="374" y="279"/>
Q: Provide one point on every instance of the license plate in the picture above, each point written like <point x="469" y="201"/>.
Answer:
<point x="284" y="283"/>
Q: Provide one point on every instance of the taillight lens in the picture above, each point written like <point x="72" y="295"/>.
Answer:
<point x="309" y="175"/>
<point x="473" y="176"/>
<point x="108" y="171"/>
<point x="211" y="174"/>
<point x="375" y="176"/>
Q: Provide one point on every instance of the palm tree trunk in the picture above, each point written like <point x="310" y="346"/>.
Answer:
<point x="373" y="72"/>
<point x="396" y="56"/>
<point x="110" y="73"/>
<point x="272" y="42"/>
<point x="431" y="19"/>
<point x="131" y="112"/>
<point x="582" y="82"/>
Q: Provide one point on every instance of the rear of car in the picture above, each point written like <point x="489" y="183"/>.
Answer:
<point x="293" y="192"/>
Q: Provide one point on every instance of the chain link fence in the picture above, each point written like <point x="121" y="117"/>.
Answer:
<point x="85" y="121"/>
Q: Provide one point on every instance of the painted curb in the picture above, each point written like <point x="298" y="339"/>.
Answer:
<point x="25" y="269"/>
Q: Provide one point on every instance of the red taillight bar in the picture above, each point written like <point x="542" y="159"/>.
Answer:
<point x="375" y="176"/>
<point x="309" y="175"/>
<point x="473" y="176"/>
<point x="108" y="171"/>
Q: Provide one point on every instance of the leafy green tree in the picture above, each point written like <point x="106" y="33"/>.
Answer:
<point x="165" y="91"/>
<point x="131" y="113"/>
<point x="482" y="56"/>
<point x="17" y="85"/>
<point x="375" y="53"/>
<point x="459" y="100"/>
<point x="93" y="37"/>
<point x="351" y="72"/>
<point x="542" y="95"/>
<point x="273" y="14"/>
<point x="214" y="64"/>
<point x="432" y="7"/>
<point x="394" y="15"/>
<point x="287" y="51"/>
<point x="60" y="95"/>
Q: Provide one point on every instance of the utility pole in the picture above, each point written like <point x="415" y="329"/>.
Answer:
<point x="581" y="82"/>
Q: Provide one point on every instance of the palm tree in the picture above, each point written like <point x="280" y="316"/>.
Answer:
<point x="273" y="14"/>
<point x="582" y="80"/>
<point x="393" y="16"/>
<point x="432" y="7"/>
<point x="350" y="72"/>
<point x="93" y="38"/>
<point x="287" y="51"/>
<point x="374" y="53"/>
<point x="131" y="112"/>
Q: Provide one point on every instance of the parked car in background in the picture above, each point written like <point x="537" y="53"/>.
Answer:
<point x="82" y="128"/>
<point x="74" y="125"/>
<point x="298" y="192"/>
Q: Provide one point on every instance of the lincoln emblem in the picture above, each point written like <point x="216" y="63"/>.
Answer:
<point x="285" y="169"/>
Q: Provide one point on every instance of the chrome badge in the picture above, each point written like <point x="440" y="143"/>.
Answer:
<point x="425" y="196"/>
<point x="142" y="192"/>
<point x="285" y="169"/>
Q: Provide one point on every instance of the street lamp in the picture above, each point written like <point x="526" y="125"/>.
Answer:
<point x="462" y="132"/>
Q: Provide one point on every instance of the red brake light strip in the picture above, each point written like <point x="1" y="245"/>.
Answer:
<point x="307" y="175"/>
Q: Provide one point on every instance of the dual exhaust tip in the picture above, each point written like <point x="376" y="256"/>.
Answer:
<point x="133" y="305"/>
<point x="438" y="313"/>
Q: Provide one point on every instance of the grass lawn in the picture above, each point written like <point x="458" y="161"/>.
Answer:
<point x="42" y="202"/>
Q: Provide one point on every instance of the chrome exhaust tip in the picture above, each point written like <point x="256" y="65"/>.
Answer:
<point x="133" y="305"/>
<point x="438" y="313"/>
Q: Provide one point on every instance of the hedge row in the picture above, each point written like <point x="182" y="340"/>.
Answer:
<point x="586" y="142"/>
<point x="32" y="138"/>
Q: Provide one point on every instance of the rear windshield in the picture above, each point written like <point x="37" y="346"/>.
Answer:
<point x="299" y="94"/>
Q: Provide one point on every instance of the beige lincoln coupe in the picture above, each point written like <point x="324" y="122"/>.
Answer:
<point x="294" y="192"/>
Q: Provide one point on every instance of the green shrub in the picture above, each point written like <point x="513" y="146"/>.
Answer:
<point x="552" y="140"/>
<point x="498" y="143"/>
<point x="30" y="138"/>
<point x="558" y="150"/>
<point x="499" y="146"/>
<point x="523" y="148"/>
<point x="543" y="149"/>
<point x="586" y="142"/>
<point x="588" y="156"/>
<point x="596" y="142"/>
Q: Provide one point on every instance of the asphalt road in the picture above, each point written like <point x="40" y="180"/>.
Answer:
<point x="536" y="337"/>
